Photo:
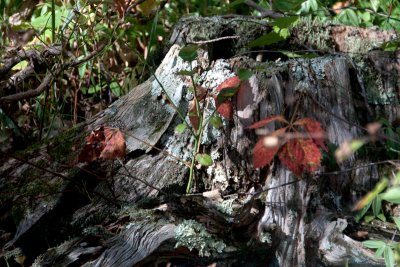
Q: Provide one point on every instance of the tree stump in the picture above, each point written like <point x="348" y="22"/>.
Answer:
<point x="246" y="216"/>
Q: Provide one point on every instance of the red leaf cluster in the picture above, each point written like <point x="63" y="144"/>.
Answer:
<point x="225" y="90"/>
<point x="299" y="154"/>
<point x="103" y="143"/>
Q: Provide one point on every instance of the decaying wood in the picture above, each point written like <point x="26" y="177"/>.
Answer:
<point x="264" y="217"/>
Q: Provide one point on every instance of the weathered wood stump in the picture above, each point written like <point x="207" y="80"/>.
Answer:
<point x="248" y="217"/>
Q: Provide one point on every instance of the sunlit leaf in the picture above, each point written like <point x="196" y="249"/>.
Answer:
<point x="367" y="199"/>
<point x="374" y="243"/>
<point x="115" y="144"/>
<point x="388" y="255"/>
<point x="397" y="222"/>
<point x="392" y="195"/>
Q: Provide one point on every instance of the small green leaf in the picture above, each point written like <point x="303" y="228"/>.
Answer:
<point x="374" y="243"/>
<point x="377" y="205"/>
<point x="349" y="17"/>
<point x="185" y="72"/>
<point x="115" y="89"/>
<point x="397" y="222"/>
<point x="204" y="159"/>
<point x="285" y="22"/>
<point x="216" y="122"/>
<point x="363" y="211"/>
<point x="381" y="217"/>
<point x="180" y="128"/>
<point x="82" y="70"/>
<point x="268" y="39"/>
<point x="244" y="74"/>
<point x="228" y="92"/>
<point x="388" y="255"/>
<point x="369" y="218"/>
<point x="392" y="195"/>
<point x="94" y="89"/>
<point x="379" y="252"/>
<point x="189" y="53"/>
<point x="375" y="4"/>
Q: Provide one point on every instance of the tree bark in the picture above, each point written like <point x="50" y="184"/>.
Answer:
<point x="255" y="217"/>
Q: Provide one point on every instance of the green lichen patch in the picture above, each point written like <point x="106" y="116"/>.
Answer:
<point x="194" y="235"/>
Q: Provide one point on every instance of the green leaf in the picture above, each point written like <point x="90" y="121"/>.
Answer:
<point x="244" y="74"/>
<point x="186" y="72"/>
<point x="180" y="128"/>
<point x="369" y="218"/>
<point x="189" y="53"/>
<point x="377" y="205"/>
<point x="216" y="122"/>
<point x="381" y="217"/>
<point x="397" y="222"/>
<point x="392" y="195"/>
<point x="379" y="252"/>
<point x="287" y="5"/>
<point x="204" y="159"/>
<point x="115" y="89"/>
<point x="227" y="92"/>
<point x="268" y="39"/>
<point x="349" y="17"/>
<point x="388" y="255"/>
<point x="363" y="211"/>
<point x="94" y="89"/>
<point x="375" y="4"/>
<point x="391" y="45"/>
<point x="82" y="70"/>
<point x="374" y="243"/>
<point x="285" y="22"/>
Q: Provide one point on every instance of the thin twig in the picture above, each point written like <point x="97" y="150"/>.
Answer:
<point x="214" y="40"/>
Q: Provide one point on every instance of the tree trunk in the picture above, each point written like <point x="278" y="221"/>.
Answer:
<point x="138" y="214"/>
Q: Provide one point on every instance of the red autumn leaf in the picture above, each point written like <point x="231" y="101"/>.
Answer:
<point x="93" y="146"/>
<point x="267" y="147"/>
<point x="315" y="130"/>
<point x="104" y="142"/>
<point x="226" y="109"/>
<point x="292" y="155"/>
<point x="115" y="144"/>
<point x="312" y="155"/>
<point x="263" y="155"/>
<point x="268" y="120"/>
<point x="229" y="83"/>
